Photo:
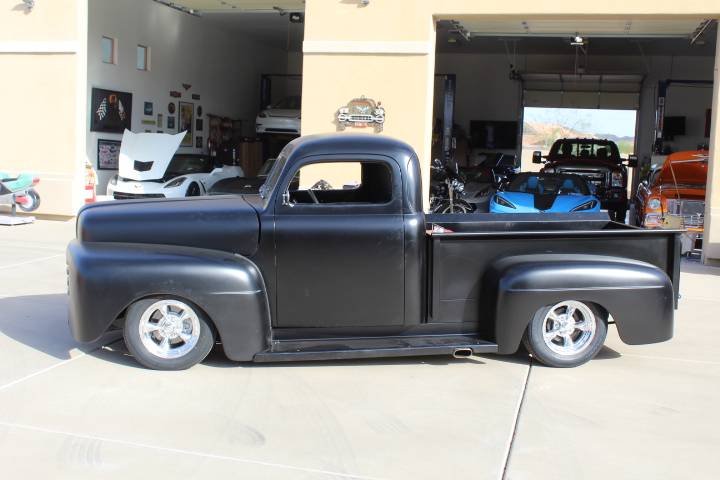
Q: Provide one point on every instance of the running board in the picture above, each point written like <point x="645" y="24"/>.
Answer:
<point x="368" y="347"/>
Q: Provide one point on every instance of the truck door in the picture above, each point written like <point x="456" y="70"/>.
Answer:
<point x="339" y="243"/>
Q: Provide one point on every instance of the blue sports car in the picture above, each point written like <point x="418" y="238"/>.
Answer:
<point x="545" y="193"/>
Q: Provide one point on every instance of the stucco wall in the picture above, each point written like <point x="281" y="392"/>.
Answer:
<point x="39" y="61"/>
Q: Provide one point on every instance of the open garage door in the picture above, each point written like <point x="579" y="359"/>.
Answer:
<point x="228" y="73"/>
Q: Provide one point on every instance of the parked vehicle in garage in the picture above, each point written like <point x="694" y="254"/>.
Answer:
<point x="300" y="274"/>
<point x="447" y="189"/>
<point x="673" y="196"/>
<point x="281" y="117"/>
<point x="242" y="185"/>
<point x="545" y="192"/>
<point x="150" y="168"/>
<point x="599" y="162"/>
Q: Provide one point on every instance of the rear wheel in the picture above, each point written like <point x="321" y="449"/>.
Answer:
<point x="167" y="334"/>
<point x="32" y="201"/>
<point x="619" y="215"/>
<point x="566" y="334"/>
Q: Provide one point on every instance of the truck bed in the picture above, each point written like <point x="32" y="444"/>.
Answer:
<point x="470" y="243"/>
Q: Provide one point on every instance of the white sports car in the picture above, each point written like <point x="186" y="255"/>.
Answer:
<point x="150" y="168"/>
<point x="282" y="117"/>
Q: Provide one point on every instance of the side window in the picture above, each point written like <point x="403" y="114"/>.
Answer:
<point x="364" y="183"/>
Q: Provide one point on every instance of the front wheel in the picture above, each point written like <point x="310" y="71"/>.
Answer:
<point x="566" y="334"/>
<point x="458" y="206"/>
<point x="167" y="334"/>
<point x="193" y="190"/>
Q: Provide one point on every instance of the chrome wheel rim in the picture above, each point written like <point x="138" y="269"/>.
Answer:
<point x="568" y="327"/>
<point x="169" y="329"/>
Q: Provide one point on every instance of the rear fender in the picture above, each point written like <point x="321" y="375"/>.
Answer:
<point x="639" y="296"/>
<point x="105" y="278"/>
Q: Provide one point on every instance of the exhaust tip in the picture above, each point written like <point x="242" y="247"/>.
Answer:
<point x="462" y="353"/>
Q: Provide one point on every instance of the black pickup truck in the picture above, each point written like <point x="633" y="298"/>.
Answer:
<point x="355" y="269"/>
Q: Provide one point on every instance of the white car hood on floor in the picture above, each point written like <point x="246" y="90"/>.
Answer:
<point x="153" y="150"/>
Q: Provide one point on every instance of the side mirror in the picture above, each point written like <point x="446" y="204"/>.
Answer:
<point x="286" y="199"/>
<point x="632" y="161"/>
<point x="537" y="157"/>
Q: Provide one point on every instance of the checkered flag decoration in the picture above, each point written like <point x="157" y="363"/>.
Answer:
<point x="102" y="109"/>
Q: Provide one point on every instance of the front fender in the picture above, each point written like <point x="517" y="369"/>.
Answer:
<point x="639" y="296"/>
<point x="105" y="278"/>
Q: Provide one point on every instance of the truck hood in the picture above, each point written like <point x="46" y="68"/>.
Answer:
<point x="146" y="156"/>
<point x="685" y="168"/>
<point x="228" y="224"/>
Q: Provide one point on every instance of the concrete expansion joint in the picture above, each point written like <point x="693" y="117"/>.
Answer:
<point x="516" y="422"/>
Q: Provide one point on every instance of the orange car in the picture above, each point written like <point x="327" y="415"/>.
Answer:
<point x="674" y="196"/>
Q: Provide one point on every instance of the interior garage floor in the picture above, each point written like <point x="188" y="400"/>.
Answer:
<point x="70" y="411"/>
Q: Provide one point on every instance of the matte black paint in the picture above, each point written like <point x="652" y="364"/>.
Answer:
<point x="351" y="281"/>
<point x="105" y="278"/>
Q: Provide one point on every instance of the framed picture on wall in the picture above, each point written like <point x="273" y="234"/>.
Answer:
<point x="110" y="111"/>
<point x="186" y="119"/>
<point x="171" y="123"/>
<point x="199" y="124"/>
<point x="198" y="142"/>
<point x="108" y="154"/>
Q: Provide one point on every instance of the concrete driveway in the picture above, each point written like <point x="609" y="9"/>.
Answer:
<point x="71" y="411"/>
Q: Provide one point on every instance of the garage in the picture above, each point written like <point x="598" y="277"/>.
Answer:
<point x="507" y="88"/>
<point x="226" y="72"/>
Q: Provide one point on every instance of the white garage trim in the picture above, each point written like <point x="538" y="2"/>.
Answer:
<point x="39" y="47"/>
<point x="398" y="48"/>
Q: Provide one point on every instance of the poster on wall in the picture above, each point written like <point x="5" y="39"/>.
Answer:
<point x="110" y="111"/>
<point x="185" y="122"/>
<point x="108" y="153"/>
<point x="171" y="123"/>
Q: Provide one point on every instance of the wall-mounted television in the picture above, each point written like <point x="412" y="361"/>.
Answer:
<point x="493" y="135"/>
<point x="673" y="126"/>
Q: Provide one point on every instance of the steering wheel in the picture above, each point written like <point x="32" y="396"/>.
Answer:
<point x="312" y="195"/>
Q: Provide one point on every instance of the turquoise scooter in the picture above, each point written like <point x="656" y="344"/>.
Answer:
<point x="19" y="191"/>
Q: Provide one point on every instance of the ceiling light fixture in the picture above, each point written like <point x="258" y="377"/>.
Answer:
<point x="577" y="41"/>
<point x="29" y="4"/>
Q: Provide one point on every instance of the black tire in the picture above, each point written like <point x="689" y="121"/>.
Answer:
<point x="459" y="206"/>
<point x="536" y="345"/>
<point x="34" y="202"/>
<point x="139" y="350"/>
<point x="193" y="190"/>
<point x="619" y="215"/>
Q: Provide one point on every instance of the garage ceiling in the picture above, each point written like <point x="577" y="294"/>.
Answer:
<point x="240" y="5"/>
<point x="587" y="27"/>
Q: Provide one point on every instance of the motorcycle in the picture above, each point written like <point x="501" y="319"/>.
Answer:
<point x="447" y="188"/>
<point x="19" y="191"/>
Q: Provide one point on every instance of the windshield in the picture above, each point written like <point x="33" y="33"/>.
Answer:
<point x="586" y="149"/>
<point x="186" y="164"/>
<point x="265" y="170"/>
<point x="548" y="184"/>
<point x="273" y="176"/>
<point x="288" y="103"/>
